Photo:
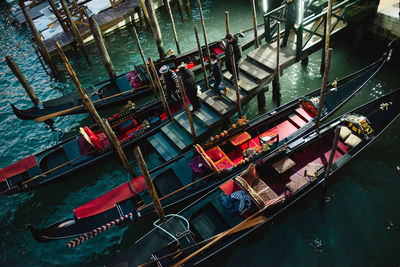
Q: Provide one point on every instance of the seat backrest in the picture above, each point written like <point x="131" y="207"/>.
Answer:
<point x="242" y="184"/>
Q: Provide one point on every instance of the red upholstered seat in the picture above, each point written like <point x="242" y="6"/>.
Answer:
<point x="218" y="50"/>
<point x="18" y="167"/>
<point x="215" y="153"/>
<point x="223" y="164"/>
<point x="240" y="139"/>
<point x="109" y="199"/>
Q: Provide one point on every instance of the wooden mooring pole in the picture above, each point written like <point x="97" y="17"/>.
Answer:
<point x="204" y="34"/>
<point x="227" y="22"/>
<point x="58" y="16"/>
<point x="104" y="125"/>
<point x="323" y="89"/>
<point x="261" y="100"/>
<point x="38" y="39"/>
<point x="75" y="32"/>
<point x="101" y="46"/>
<point x="155" y="28"/>
<point x="326" y="37"/>
<point x="235" y="81"/>
<point x="253" y="6"/>
<point x="166" y="4"/>
<point x="181" y="11"/>
<point x="160" y="88"/>
<point x="185" y="104"/>
<point x="203" y="67"/>
<point x="141" y="16"/>
<point x="21" y="78"/>
<point x="149" y="183"/>
<point x="146" y="66"/>
<point x="188" y="8"/>
<point x="330" y="162"/>
<point x="276" y="86"/>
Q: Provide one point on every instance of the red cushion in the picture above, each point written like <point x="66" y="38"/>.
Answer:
<point x="109" y="199"/>
<point x="96" y="142"/>
<point x="88" y="131"/>
<point x="250" y="175"/>
<point x="224" y="164"/>
<point x="240" y="139"/>
<point x="215" y="153"/>
<point x="229" y="187"/>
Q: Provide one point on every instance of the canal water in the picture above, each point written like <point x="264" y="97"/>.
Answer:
<point x="359" y="225"/>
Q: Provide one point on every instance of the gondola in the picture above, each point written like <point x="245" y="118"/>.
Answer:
<point x="128" y="86"/>
<point x="247" y="201"/>
<point x="219" y="157"/>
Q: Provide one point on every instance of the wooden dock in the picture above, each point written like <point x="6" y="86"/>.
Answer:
<point x="257" y="70"/>
<point x="108" y="20"/>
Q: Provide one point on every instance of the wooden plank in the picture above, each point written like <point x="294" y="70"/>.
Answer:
<point x="246" y="83"/>
<point x="266" y="56"/>
<point x="207" y="116"/>
<point x="163" y="146"/>
<point x="232" y="95"/>
<point x="254" y="71"/>
<point x="181" y="118"/>
<point x="219" y="105"/>
<point x="178" y="136"/>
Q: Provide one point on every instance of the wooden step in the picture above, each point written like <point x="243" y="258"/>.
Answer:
<point x="246" y="83"/>
<point x="232" y="94"/>
<point x="221" y="106"/>
<point x="207" y="116"/>
<point x="178" y="136"/>
<point x="266" y="57"/>
<point x="163" y="146"/>
<point x="182" y="120"/>
<point x="260" y="75"/>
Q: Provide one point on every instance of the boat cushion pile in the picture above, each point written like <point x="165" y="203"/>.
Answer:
<point x="134" y="79"/>
<point x="352" y="140"/>
<point x="312" y="170"/>
<point x="297" y="184"/>
<point x="217" y="158"/>
<point x="283" y="165"/>
<point x="344" y="132"/>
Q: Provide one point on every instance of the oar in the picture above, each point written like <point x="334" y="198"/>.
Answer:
<point x="46" y="172"/>
<point x="82" y="238"/>
<point x="234" y="229"/>
<point x="65" y="111"/>
<point x="251" y="223"/>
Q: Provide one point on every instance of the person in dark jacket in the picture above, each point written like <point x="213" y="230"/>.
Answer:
<point x="170" y="84"/>
<point x="189" y="83"/>
<point x="237" y="52"/>
<point x="290" y="19"/>
<point x="217" y="75"/>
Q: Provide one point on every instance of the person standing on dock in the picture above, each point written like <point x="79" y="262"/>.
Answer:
<point x="290" y="19"/>
<point x="170" y="84"/>
<point x="189" y="82"/>
<point x="237" y="51"/>
<point x="217" y="75"/>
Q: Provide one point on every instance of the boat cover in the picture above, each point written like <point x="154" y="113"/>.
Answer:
<point x="108" y="200"/>
<point x="18" y="167"/>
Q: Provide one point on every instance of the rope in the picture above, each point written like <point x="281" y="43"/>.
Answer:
<point x="79" y="240"/>
<point x="168" y="233"/>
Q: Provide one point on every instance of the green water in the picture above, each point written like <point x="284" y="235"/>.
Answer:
<point x="359" y="226"/>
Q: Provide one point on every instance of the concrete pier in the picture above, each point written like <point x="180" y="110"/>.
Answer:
<point x="386" y="23"/>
